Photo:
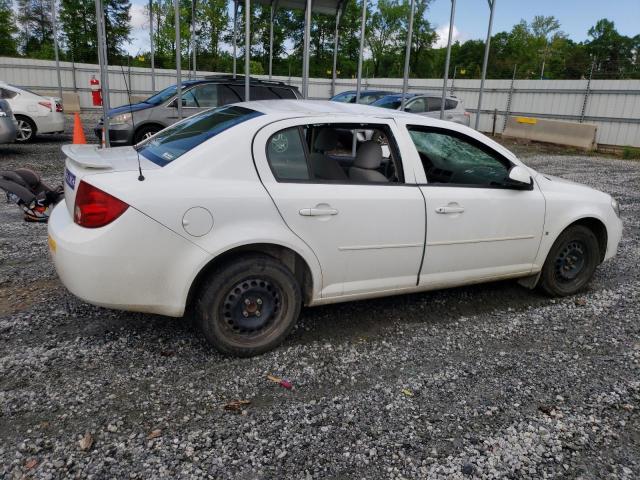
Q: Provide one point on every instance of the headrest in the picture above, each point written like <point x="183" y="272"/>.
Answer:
<point x="326" y="140"/>
<point x="369" y="155"/>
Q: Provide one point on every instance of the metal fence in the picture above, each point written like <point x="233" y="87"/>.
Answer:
<point x="614" y="105"/>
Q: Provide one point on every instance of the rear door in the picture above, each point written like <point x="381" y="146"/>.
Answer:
<point x="368" y="237"/>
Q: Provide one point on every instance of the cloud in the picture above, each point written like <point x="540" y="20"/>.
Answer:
<point x="139" y="29"/>
<point x="443" y="35"/>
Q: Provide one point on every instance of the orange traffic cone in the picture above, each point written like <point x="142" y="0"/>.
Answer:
<point x="78" y="131"/>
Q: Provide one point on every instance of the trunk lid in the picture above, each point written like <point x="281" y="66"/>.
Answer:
<point x="86" y="160"/>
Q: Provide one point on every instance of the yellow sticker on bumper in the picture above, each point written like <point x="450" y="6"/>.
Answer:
<point x="52" y="244"/>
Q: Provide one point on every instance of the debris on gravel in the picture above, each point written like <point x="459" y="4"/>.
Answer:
<point x="488" y="381"/>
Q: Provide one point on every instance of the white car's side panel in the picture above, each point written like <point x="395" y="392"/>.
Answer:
<point x="26" y="103"/>
<point x="375" y="239"/>
<point x="132" y="264"/>
<point x="476" y="233"/>
<point x="226" y="185"/>
<point x="563" y="209"/>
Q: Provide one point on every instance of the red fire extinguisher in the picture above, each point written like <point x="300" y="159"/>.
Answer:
<point x="96" y="92"/>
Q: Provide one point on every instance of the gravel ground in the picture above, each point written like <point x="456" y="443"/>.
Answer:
<point x="490" y="381"/>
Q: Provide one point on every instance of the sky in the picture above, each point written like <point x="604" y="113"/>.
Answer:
<point x="472" y="16"/>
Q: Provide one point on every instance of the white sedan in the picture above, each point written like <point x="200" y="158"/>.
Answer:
<point x="34" y="113"/>
<point x="243" y="214"/>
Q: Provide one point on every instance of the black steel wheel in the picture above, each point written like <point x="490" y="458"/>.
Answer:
<point x="571" y="262"/>
<point x="248" y="306"/>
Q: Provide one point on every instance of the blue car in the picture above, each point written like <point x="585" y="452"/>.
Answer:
<point x="367" y="97"/>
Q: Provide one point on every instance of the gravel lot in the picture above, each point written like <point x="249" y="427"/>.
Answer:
<point x="490" y="381"/>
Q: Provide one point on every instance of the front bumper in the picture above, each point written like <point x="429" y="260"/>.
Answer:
<point x="119" y="135"/>
<point x="133" y="264"/>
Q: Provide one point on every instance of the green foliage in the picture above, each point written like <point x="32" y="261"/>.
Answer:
<point x="8" y="29"/>
<point x="631" y="153"/>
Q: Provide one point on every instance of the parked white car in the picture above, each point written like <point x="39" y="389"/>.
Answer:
<point x="34" y="113"/>
<point x="249" y="211"/>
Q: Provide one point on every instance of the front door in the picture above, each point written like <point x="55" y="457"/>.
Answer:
<point x="479" y="226"/>
<point x="365" y="225"/>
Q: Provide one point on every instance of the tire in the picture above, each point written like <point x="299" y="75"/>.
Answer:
<point x="26" y="129"/>
<point x="228" y="306"/>
<point x="571" y="262"/>
<point x="145" y="132"/>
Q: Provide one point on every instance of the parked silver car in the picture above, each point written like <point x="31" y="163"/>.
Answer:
<point x="8" y="123"/>
<point x="428" y="105"/>
<point x="130" y="124"/>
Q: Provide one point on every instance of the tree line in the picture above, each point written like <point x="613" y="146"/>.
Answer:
<point x="535" y="49"/>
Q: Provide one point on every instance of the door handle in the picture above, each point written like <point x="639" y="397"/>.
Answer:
<point x="317" y="212"/>
<point x="446" y="210"/>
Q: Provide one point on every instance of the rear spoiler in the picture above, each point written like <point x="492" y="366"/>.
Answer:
<point x="88" y="156"/>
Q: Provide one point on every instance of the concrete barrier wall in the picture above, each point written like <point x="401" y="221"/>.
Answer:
<point x="580" y="135"/>
<point x="612" y="105"/>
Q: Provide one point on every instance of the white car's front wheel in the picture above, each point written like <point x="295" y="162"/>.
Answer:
<point x="248" y="306"/>
<point x="26" y="129"/>
<point x="571" y="262"/>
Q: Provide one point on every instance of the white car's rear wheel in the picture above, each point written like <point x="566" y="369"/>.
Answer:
<point x="248" y="306"/>
<point x="26" y="129"/>
<point x="571" y="262"/>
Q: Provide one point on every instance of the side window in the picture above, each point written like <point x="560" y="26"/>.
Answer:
<point x="417" y="106"/>
<point x="449" y="158"/>
<point x="325" y="153"/>
<point x="189" y="99"/>
<point x="434" y="104"/>
<point x="226" y="95"/>
<point x="262" y="93"/>
<point x="206" y="95"/>
<point x="450" y="104"/>
<point x="4" y="93"/>
<point x="284" y="93"/>
<point x="286" y="155"/>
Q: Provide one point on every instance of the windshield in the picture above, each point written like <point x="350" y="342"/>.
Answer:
<point x="176" y="140"/>
<point x="163" y="95"/>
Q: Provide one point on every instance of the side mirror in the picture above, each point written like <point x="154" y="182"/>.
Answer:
<point x="519" y="177"/>
<point x="174" y="104"/>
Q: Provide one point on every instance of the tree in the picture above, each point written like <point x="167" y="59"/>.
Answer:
<point x="36" y="30"/>
<point x="8" y="29"/>
<point x="614" y="53"/>
<point x="79" y="28"/>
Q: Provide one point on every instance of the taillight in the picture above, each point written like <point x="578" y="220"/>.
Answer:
<point x="467" y="114"/>
<point x="46" y="105"/>
<point x="59" y="107"/>
<point x="95" y="208"/>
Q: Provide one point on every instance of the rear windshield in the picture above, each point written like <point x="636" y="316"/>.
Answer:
<point x="176" y="140"/>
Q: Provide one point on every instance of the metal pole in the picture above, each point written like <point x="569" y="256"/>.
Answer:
<point x="586" y="93"/>
<point x="55" y="46"/>
<point x="407" y="55"/>
<point x="104" y="71"/>
<point x="363" y="22"/>
<point x="492" y="4"/>
<point x="453" y="80"/>
<point x="446" y="62"/>
<point x="153" y="63"/>
<point x="305" y="49"/>
<point x="509" y="98"/>
<point x="193" y="36"/>
<point x="334" y="71"/>
<point x="235" y="36"/>
<point x="176" y="7"/>
<point x="274" y="5"/>
<point x="247" y="49"/>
